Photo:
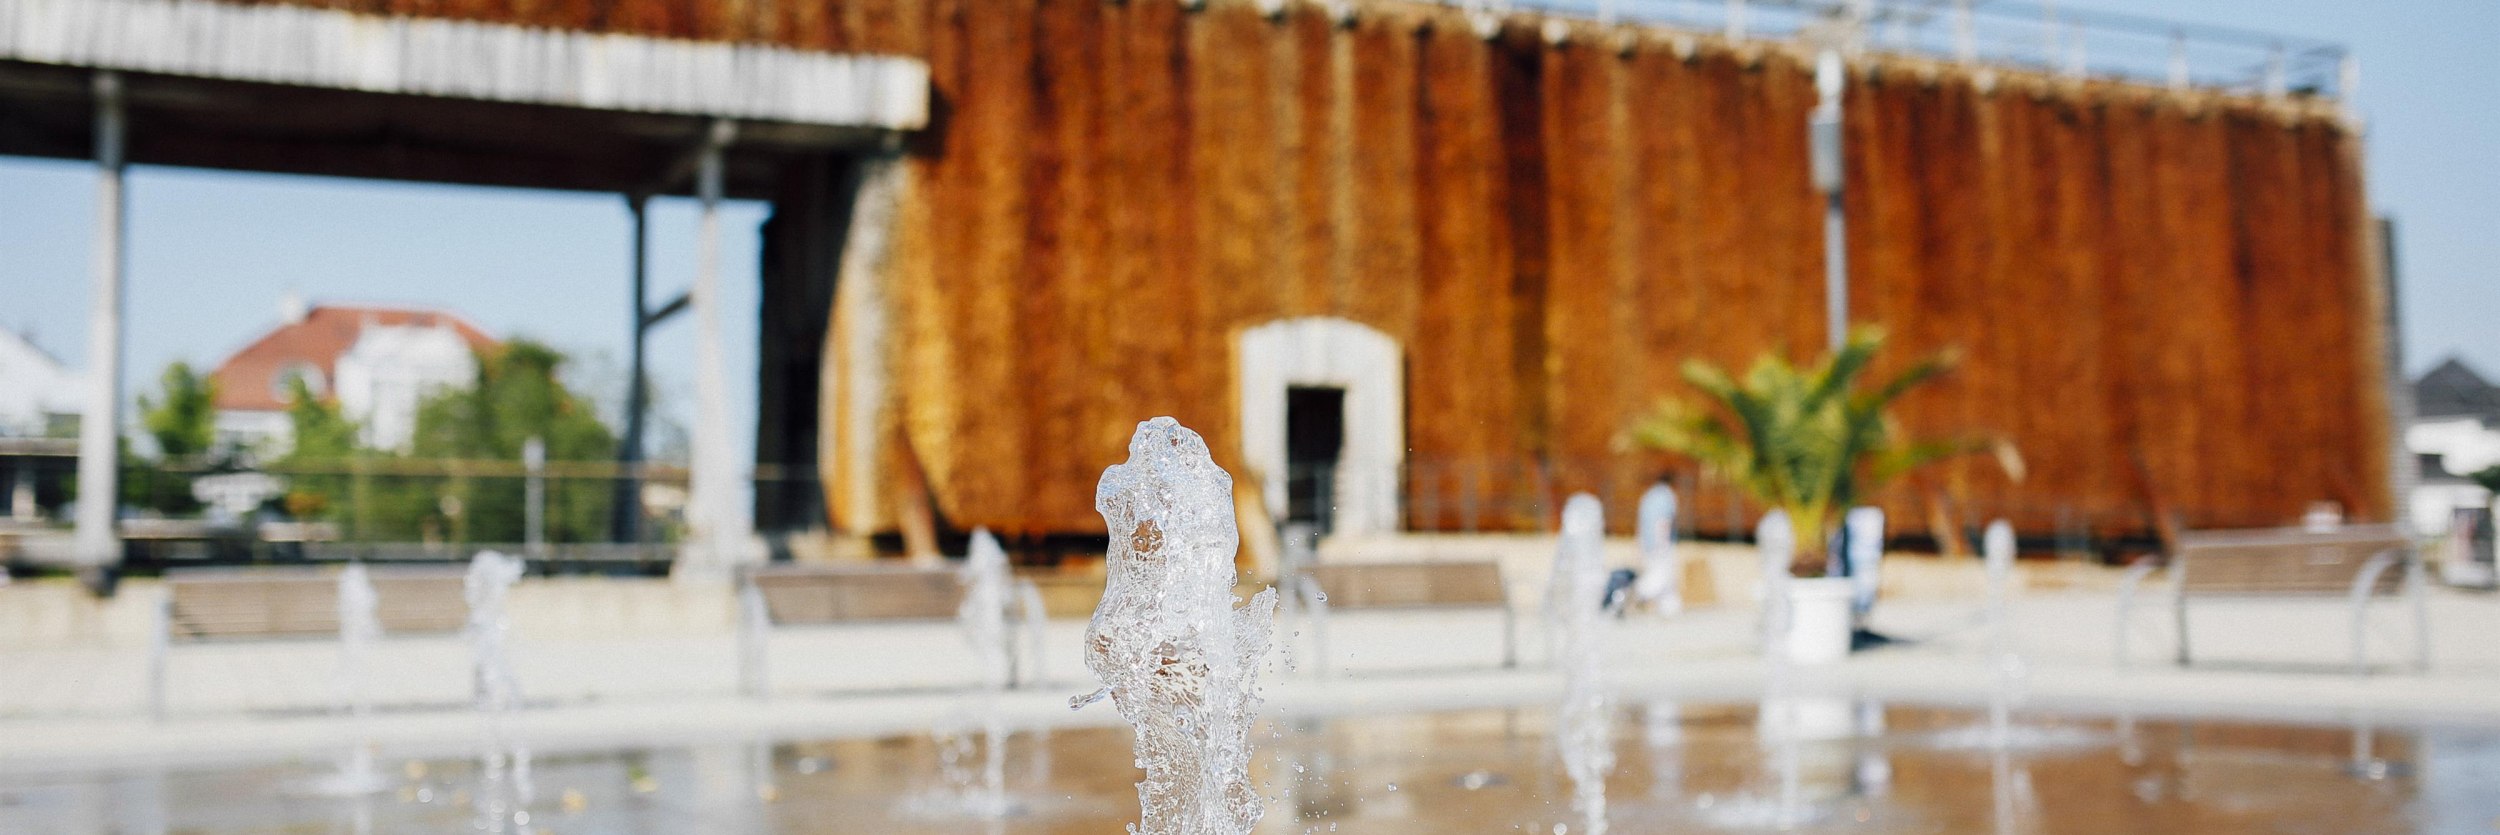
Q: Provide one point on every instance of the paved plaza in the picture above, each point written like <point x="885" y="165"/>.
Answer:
<point x="605" y="662"/>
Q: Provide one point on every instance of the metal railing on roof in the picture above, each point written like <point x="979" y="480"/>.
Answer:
<point x="2044" y="35"/>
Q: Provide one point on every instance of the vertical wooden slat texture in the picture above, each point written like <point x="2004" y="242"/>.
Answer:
<point x="2155" y="293"/>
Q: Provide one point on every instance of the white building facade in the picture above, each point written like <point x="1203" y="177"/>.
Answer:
<point x="388" y="374"/>
<point x="379" y="365"/>
<point x="38" y="396"/>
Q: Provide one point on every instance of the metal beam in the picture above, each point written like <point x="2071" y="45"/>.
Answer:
<point x="653" y="317"/>
<point x="625" y="505"/>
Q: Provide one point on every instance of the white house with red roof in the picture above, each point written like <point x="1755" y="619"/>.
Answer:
<point x="377" y="363"/>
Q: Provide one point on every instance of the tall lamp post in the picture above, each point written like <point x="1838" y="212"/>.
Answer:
<point x="1823" y="140"/>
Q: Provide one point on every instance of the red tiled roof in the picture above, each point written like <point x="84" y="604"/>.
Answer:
<point x="247" y="380"/>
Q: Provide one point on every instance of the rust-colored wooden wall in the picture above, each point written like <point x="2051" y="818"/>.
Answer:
<point x="2161" y="298"/>
<point x="2164" y="299"/>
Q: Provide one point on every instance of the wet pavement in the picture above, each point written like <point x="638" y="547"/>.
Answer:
<point x="1857" y="767"/>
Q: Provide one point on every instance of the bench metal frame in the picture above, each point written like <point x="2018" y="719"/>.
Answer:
<point x="758" y="620"/>
<point x="1307" y="586"/>
<point x="2389" y="551"/>
<point x="168" y="630"/>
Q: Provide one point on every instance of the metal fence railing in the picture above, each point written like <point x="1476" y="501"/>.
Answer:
<point x="2036" y="34"/>
<point x="567" y="516"/>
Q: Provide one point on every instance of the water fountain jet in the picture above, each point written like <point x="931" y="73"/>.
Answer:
<point x="1775" y="544"/>
<point x="1662" y="575"/>
<point x="504" y="788"/>
<point x="1174" y="655"/>
<point x="983" y="615"/>
<point x="1573" y="613"/>
<point x="359" y="628"/>
<point x="2005" y="666"/>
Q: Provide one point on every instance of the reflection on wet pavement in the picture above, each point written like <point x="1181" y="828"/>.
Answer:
<point x="1861" y="768"/>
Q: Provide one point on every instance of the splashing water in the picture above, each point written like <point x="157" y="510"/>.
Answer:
<point x="1300" y="606"/>
<point x="1173" y="654"/>
<point x="1776" y="542"/>
<point x="1662" y="575"/>
<point x="984" y="618"/>
<point x="1572" y="613"/>
<point x="504" y="791"/>
<point x="359" y="628"/>
<point x="1864" y="531"/>
<point x="1775" y="546"/>
<point x="2003" y="662"/>
<point x="1997" y="554"/>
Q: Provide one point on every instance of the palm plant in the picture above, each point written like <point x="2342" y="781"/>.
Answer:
<point x="1808" y="440"/>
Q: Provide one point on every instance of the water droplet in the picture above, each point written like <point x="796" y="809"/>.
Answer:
<point x="1393" y="787"/>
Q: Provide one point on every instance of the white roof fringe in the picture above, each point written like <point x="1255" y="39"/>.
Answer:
<point x="463" y="59"/>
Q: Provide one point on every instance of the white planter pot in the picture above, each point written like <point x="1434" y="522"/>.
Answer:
<point x="1819" y="621"/>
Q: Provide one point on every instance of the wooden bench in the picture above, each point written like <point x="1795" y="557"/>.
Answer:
<point x="810" y="595"/>
<point x="2356" y="563"/>
<point x="249" y="604"/>
<point x="1420" y="585"/>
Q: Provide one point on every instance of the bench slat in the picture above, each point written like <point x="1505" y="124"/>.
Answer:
<point x="817" y="595"/>
<point x="1408" y="585"/>
<point x="282" y="604"/>
<point x="2285" y="562"/>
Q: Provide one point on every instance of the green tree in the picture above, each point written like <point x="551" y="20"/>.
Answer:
<point x="1808" y="440"/>
<point x="318" y="460"/>
<point x="184" y="418"/>
<point x="459" y="479"/>
<point x="518" y="396"/>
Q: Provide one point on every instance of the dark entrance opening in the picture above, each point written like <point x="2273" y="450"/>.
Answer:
<point x="1314" y="440"/>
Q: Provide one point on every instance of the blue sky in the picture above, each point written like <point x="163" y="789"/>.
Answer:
<point x="2430" y="101"/>
<point x="211" y="253"/>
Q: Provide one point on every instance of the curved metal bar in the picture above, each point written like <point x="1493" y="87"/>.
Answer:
<point x="2417" y="587"/>
<point x="2127" y="588"/>
<point x="2363" y="585"/>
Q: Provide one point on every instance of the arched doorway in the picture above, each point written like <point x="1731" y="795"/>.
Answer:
<point x="1323" y="422"/>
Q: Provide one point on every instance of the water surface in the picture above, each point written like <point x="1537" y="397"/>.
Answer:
<point x="1860" y="767"/>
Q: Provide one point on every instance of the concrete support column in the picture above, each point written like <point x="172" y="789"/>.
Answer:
<point x="721" y="527"/>
<point x="98" y="542"/>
